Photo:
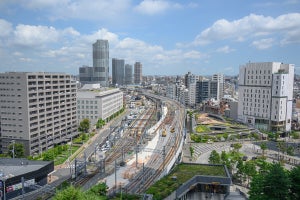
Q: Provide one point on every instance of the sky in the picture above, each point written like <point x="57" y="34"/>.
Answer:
<point x="169" y="37"/>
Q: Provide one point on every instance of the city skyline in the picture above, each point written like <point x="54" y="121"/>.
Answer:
<point x="167" y="37"/>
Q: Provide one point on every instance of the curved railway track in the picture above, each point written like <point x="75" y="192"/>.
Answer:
<point x="157" y="162"/>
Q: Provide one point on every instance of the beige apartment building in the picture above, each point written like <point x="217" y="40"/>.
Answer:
<point x="96" y="104"/>
<point x="37" y="109"/>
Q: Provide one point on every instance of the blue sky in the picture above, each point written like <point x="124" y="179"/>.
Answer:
<point x="168" y="37"/>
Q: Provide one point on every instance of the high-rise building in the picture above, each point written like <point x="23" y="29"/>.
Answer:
<point x="118" y="71"/>
<point x="101" y="62"/>
<point x="128" y="74"/>
<point x="137" y="73"/>
<point x="86" y="74"/>
<point x="37" y="110"/>
<point x="190" y="83"/>
<point x="265" y="95"/>
<point x="190" y="78"/>
<point x="99" y="73"/>
<point x="219" y="78"/>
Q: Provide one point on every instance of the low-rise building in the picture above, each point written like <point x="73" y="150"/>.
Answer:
<point x="97" y="104"/>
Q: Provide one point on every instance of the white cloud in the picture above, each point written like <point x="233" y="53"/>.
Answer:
<point x="27" y="35"/>
<point x="81" y="9"/>
<point x="193" y="5"/>
<point x="5" y="28"/>
<point x="25" y="59"/>
<point x="16" y="53"/>
<point x="225" y="49"/>
<point x="194" y="55"/>
<point x="152" y="7"/>
<point x="263" y="43"/>
<point x="42" y="4"/>
<point x="70" y="32"/>
<point x="251" y="26"/>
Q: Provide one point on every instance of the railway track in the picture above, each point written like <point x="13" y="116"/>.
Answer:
<point x="157" y="163"/>
<point x="129" y="139"/>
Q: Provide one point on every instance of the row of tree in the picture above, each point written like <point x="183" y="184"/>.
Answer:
<point x="276" y="183"/>
<point x="265" y="180"/>
<point x="97" y="192"/>
<point x="85" y="124"/>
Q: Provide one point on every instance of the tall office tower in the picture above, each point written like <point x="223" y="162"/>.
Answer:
<point x="118" y="71"/>
<point x="219" y="78"/>
<point x="86" y="74"/>
<point x="137" y="73"/>
<point x="101" y="62"/>
<point x="206" y="89"/>
<point x="128" y="74"/>
<point x="37" y="110"/>
<point x="265" y="95"/>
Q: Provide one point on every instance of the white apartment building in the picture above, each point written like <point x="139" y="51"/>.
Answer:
<point x="171" y="91"/>
<point x="219" y="78"/>
<point x="97" y="104"/>
<point x="265" y="95"/>
<point x="192" y="94"/>
<point x="37" y="109"/>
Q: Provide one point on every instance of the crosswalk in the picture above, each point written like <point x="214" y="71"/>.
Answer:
<point x="200" y="148"/>
<point x="70" y="166"/>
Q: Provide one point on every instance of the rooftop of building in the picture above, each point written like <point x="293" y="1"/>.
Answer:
<point x="47" y="73"/>
<point x="11" y="167"/>
<point x="184" y="172"/>
<point x="93" y="93"/>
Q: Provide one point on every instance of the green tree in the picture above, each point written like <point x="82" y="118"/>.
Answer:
<point x="49" y="155"/>
<point x="191" y="151"/>
<point x="18" y="149"/>
<point x="277" y="183"/>
<point x="295" y="135"/>
<point x="100" y="123"/>
<point x="249" y="169"/>
<point x="295" y="183"/>
<point x="236" y="147"/>
<point x="84" y="125"/>
<point x="290" y="151"/>
<point x="263" y="147"/>
<point x="225" y="160"/>
<point x="69" y="193"/>
<point x="263" y="165"/>
<point x="100" y="189"/>
<point x="214" y="158"/>
<point x="240" y="174"/>
<point x="190" y="114"/>
<point x="256" y="191"/>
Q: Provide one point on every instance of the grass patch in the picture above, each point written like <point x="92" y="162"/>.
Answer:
<point x="183" y="172"/>
<point x="202" y="128"/>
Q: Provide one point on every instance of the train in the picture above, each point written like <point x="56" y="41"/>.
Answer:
<point x="164" y="133"/>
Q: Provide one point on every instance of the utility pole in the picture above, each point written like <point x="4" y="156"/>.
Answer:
<point x="85" y="170"/>
<point x="164" y="157"/>
<point x="116" y="174"/>
<point x="96" y="146"/>
<point x="136" y="156"/>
